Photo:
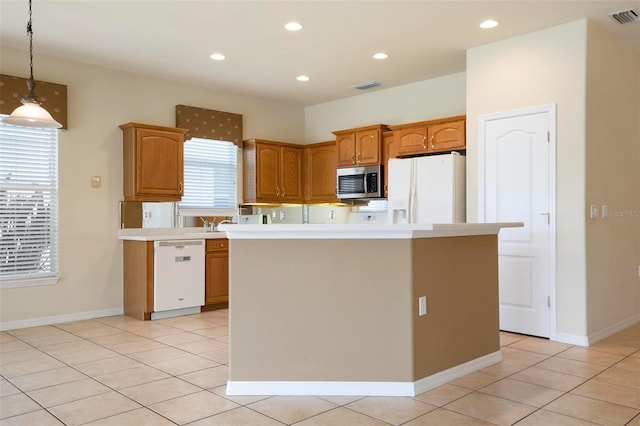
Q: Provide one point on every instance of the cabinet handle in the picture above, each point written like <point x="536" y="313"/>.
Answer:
<point x="284" y="191"/>
<point x="181" y="187"/>
<point x="221" y="245"/>
<point x="432" y="142"/>
<point x="424" y="142"/>
<point x="353" y="158"/>
<point x="277" y="191"/>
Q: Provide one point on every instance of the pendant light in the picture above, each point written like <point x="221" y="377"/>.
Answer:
<point x="31" y="113"/>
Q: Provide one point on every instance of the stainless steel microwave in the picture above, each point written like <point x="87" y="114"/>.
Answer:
<point x="360" y="182"/>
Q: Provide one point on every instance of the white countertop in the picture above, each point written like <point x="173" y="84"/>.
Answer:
<point x="362" y="231"/>
<point x="159" y="234"/>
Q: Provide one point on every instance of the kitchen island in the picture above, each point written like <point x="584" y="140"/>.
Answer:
<point x="335" y="309"/>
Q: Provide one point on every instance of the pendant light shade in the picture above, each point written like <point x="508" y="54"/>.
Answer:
<point x="31" y="113"/>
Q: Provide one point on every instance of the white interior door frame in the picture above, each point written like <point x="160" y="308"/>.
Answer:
<point x="483" y="119"/>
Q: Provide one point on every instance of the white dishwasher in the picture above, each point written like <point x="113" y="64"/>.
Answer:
<point x="178" y="271"/>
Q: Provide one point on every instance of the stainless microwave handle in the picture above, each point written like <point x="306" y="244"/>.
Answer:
<point x="366" y="191"/>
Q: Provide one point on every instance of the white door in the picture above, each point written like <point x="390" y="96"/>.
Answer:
<point x="517" y="189"/>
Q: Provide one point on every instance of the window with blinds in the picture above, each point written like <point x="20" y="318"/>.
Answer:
<point x="28" y="206"/>
<point x="210" y="177"/>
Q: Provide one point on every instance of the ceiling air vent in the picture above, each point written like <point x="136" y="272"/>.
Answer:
<point x="625" y="16"/>
<point x="368" y="85"/>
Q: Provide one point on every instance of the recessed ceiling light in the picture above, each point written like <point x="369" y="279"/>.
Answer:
<point x="217" y="56"/>
<point x="489" y="23"/>
<point x="302" y="78"/>
<point x="380" y="55"/>
<point x="293" y="26"/>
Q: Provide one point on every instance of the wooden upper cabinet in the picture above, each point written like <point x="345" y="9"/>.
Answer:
<point x="346" y="149"/>
<point x="368" y="146"/>
<point x="272" y="172"/>
<point x="412" y="140"/>
<point x="425" y="137"/>
<point x="447" y="136"/>
<point x="359" y="146"/>
<point x="290" y="174"/>
<point x="152" y="162"/>
<point x="320" y="172"/>
<point x="389" y="150"/>
<point x="267" y="161"/>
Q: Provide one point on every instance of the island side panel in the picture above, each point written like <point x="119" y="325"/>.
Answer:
<point x="459" y="277"/>
<point x="320" y="310"/>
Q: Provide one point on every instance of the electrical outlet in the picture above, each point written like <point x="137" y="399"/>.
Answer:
<point x="605" y="211"/>
<point x="422" y="305"/>
<point x="594" y="211"/>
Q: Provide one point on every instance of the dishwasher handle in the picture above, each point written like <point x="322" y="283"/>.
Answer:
<point x="179" y="243"/>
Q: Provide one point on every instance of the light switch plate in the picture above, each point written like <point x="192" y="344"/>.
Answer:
<point x="422" y="305"/>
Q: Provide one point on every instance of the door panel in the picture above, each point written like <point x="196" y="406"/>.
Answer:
<point x="517" y="190"/>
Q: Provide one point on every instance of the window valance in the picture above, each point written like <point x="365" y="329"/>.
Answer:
<point x="210" y="124"/>
<point x="53" y="96"/>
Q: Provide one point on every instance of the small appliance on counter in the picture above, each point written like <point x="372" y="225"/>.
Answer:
<point x="252" y="219"/>
<point x="367" y="217"/>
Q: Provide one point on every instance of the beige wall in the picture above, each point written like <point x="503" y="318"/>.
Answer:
<point x="435" y="98"/>
<point x="613" y="178"/>
<point x="534" y="69"/>
<point x="99" y="100"/>
<point x="590" y="77"/>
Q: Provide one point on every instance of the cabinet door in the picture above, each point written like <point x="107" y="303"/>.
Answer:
<point x="368" y="147"/>
<point x="216" y="277"/>
<point x="412" y="140"/>
<point x="290" y="167"/>
<point x="346" y="148"/>
<point x="159" y="163"/>
<point x="389" y="150"/>
<point x="321" y="174"/>
<point x="267" y="162"/>
<point x="447" y="137"/>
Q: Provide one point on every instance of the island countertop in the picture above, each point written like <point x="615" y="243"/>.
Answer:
<point x="362" y="231"/>
<point x="160" y="234"/>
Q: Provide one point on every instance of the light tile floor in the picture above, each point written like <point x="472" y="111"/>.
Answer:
<point x="121" y="371"/>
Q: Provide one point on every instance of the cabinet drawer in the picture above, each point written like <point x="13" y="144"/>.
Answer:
<point x="217" y="244"/>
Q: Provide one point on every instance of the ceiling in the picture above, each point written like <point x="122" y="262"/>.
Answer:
<point x="172" y="39"/>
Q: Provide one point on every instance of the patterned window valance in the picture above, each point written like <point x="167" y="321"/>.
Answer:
<point x="53" y="96"/>
<point x="210" y="124"/>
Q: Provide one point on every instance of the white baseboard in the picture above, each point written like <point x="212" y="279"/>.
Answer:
<point x="572" y="339"/>
<point x="613" y="329"/>
<point x="56" y="319"/>
<point x="435" y="380"/>
<point x="361" y="388"/>
<point x="593" y="338"/>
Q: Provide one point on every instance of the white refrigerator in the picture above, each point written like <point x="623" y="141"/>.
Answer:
<point x="427" y="189"/>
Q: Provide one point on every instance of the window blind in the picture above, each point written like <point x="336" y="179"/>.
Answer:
<point x="28" y="206"/>
<point x="210" y="175"/>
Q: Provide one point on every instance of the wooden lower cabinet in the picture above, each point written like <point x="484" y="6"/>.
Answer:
<point x="138" y="279"/>
<point x="216" y="272"/>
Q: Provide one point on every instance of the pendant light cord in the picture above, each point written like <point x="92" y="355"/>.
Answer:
<point x="30" y="34"/>
<point x="31" y="97"/>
